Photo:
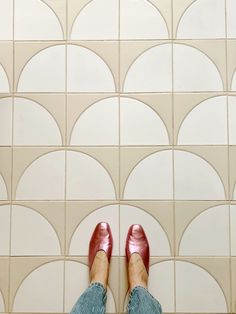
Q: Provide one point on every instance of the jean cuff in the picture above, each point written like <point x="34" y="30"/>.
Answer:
<point x="98" y="284"/>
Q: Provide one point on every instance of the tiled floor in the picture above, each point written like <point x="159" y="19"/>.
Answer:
<point x="123" y="111"/>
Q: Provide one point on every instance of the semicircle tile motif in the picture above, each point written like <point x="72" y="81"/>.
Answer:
<point x="6" y="121"/>
<point x="3" y="189"/>
<point x="4" y="83"/>
<point x="5" y="217"/>
<point x="2" y="305"/>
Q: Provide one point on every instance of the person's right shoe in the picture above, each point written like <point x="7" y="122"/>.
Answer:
<point x="137" y="242"/>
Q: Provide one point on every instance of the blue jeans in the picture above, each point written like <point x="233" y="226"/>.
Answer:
<point x="93" y="300"/>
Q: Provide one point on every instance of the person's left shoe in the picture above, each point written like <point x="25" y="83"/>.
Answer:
<point x="101" y="240"/>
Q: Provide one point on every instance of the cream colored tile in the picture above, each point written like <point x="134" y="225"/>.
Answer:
<point x="39" y="120"/>
<point x="203" y="285"/>
<point x="6" y="64"/>
<point x="231" y="68"/>
<point x="233" y="228"/>
<point x="34" y="177"/>
<point x="230" y="11"/>
<point x="77" y="106"/>
<point x="5" y="173"/>
<point x="233" y="276"/>
<point x="208" y="166"/>
<point x="4" y="284"/>
<point x="81" y="220"/>
<point x="37" y="228"/>
<point x="231" y="120"/>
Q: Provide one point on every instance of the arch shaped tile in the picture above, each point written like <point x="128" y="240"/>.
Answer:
<point x="203" y="19"/>
<point x="161" y="285"/>
<point x="152" y="178"/>
<point x="233" y="87"/>
<point x="44" y="179"/>
<point x="2" y="307"/>
<point x="6" y="121"/>
<point x="42" y="290"/>
<point x="231" y="18"/>
<point x="96" y="75"/>
<point x="158" y="240"/>
<point x="42" y="23"/>
<point x="205" y="182"/>
<point x="76" y="281"/>
<point x="4" y="83"/>
<point x="135" y="116"/>
<point x="34" y="125"/>
<point x="5" y="213"/>
<point x="207" y="234"/>
<point x="97" y="20"/>
<point x="3" y="189"/>
<point x="233" y="229"/>
<point x="232" y="122"/>
<point x="84" y="230"/>
<point x="234" y="193"/>
<point x="197" y="291"/>
<point x="194" y="71"/>
<point x="6" y="20"/>
<point x="151" y="71"/>
<point x="44" y="72"/>
<point x="32" y="234"/>
<point x="98" y="125"/>
<point x="141" y="20"/>
<point x="87" y="178"/>
<point x="206" y="124"/>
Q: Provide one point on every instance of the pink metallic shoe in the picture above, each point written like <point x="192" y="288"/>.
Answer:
<point x="101" y="240"/>
<point x="137" y="242"/>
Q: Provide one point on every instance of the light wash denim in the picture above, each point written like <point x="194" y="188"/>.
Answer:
<point x="93" y="300"/>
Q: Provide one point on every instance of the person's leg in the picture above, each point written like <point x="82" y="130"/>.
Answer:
<point x="93" y="300"/>
<point x="140" y="300"/>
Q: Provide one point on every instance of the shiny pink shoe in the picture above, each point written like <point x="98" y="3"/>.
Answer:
<point x="101" y="240"/>
<point x="137" y="242"/>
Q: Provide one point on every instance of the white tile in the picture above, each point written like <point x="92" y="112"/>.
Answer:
<point x="161" y="284"/>
<point x="141" y="20"/>
<point x="152" y="178"/>
<point x="140" y="124"/>
<point x="44" y="179"/>
<point x="44" y="72"/>
<point x="233" y="86"/>
<point x="5" y="212"/>
<point x="231" y="18"/>
<point x="85" y="229"/>
<point x="232" y="120"/>
<point x="6" y="19"/>
<point x="87" y="178"/>
<point x="6" y="121"/>
<point x="195" y="178"/>
<point x="206" y="124"/>
<point x="97" y="20"/>
<point x="207" y="234"/>
<point x="3" y="189"/>
<point x="233" y="229"/>
<point x="157" y="237"/>
<point x="87" y="72"/>
<point x="151" y="71"/>
<point x="41" y="23"/>
<point x="42" y="290"/>
<point x="34" y="125"/>
<point x="32" y="234"/>
<point x="4" y="83"/>
<point x="203" y="19"/>
<point x="76" y="281"/>
<point x="197" y="291"/>
<point x="98" y="125"/>
<point x="194" y="71"/>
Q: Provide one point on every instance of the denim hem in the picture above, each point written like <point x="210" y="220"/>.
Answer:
<point x="98" y="284"/>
